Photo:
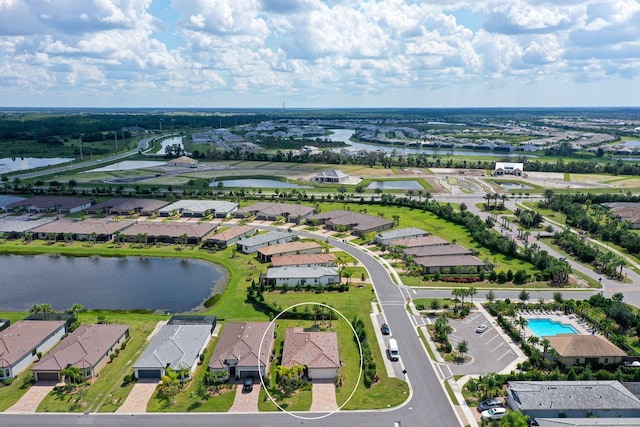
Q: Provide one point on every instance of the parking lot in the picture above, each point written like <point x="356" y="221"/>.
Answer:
<point x="489" y="350"/>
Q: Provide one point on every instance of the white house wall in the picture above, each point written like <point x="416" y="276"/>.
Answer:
<point x="43" y="347"/>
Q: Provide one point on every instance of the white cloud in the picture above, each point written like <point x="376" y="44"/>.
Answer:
<point x="258" y="52"/>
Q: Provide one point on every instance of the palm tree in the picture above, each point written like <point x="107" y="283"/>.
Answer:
<point x="75" y="309"/>
<point x="533" y="340"/>
<point x="184" y="238"/>
<point x="471" y="292"/>
<point x="545" y="343"/>
<point x="4" y="236"/>
<point x="522" y="323"/>
<point x="68" y="238"/>
<point x="72" y="375"/>
<point x="462" y="348"/>
<point x="45" y="308"/>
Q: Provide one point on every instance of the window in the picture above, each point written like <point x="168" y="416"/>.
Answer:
<point x="606" y="360"/>
<point x="577" y="362"/>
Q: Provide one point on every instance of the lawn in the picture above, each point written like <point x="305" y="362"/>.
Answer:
<point x="355" y="302"/>
<point x="192" y="397"/>
<point x="106" y="392"/>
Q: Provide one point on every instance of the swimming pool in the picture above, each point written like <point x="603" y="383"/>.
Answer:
<point x="549" y="328"/>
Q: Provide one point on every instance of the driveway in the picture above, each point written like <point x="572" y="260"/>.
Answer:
<point x="31" y="399"/>
<point x="246" y="402"/>
<point x="323" y="395"/>
<point x="137" y="400"/>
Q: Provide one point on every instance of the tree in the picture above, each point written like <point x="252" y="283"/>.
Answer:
<point x="471" y="292"/>
<point x="490" y="296"/>
<point x="72" y="375"/>
<point x="524" y="296"/>
<point x="514" y="419"/>
<point x="522" y="323"/>
<point x="462" y="348"/>
<point x="75" y="309"/>
<point x="45" y="308"/>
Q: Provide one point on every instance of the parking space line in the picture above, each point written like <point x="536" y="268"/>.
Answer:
<point x="499" y="345"/>
<point x="493" y="338"/>
<point x="472" y="318"/>
<point x="510" y="351"/>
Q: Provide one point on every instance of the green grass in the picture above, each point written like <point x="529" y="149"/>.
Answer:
<point x="357" y="301"/>
<point x="106" y="393"/>
<point x="12" y="393"/>
<point x="432" y="356"/>
<point x="188" y="400"/>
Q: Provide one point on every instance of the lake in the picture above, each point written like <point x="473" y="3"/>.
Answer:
<point x="395" y="185"/>
<point x="343" y="135"/>
<point x="255" y="183"/>
<point x="8" y="164"/>
<point x="171" y="285"/>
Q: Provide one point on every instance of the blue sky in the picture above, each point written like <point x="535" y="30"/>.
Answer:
<point x="319" y="53"/>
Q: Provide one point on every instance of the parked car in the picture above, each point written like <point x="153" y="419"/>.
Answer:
<point x="248" y="385"/>
<point x="384" y="329"/>
<point x="490" y="403"/>
<point x="494" y="414"/>
<point x="481" y="328"/>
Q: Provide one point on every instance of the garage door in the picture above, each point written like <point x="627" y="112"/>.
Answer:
<point x="149" y="373"/>
<point x="47" y="376"/>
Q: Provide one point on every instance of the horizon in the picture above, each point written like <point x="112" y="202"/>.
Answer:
<point x="320" y="54"/>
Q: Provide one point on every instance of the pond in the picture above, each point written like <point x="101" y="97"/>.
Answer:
<point x="255" y="183"/>
<point x="514" y="186"/>
<point x="128" y="165"/>
<point x="395" y="185"/>
<point x="165" y="284"/>
<point x="176" y="140"/>
<point x="8" y="164"/>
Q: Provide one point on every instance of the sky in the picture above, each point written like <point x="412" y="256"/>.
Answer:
<point x="319" y="53"/>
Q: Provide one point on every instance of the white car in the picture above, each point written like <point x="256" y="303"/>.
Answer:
<point x="481" y="328"/>
<point x="494" y="414"/>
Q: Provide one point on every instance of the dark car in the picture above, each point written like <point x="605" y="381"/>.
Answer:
<point x="384" y="329"/>
<point x="490" y="404"/>
<point x="248" y="385"/>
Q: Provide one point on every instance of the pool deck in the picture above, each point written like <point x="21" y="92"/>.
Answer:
<point x="581" y="326"/>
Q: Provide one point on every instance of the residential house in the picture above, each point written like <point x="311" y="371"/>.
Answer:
<point x="252" y="244"/>
<point x="588" y="422"/>
<point x="415" y="242"/>
<point x="184" y="161"/>
<point x="304" y="260"/>
<point x="6" y="200"/>
<point x="243" y="350"/>
<point x="267" y="211"/>
<point x="331" y="176"/>
<point x="54" y="204"/>
<point x="127" y="207"/>
<point x="14" y="226"/>
<point x="87" y="348"/>
<point x="386" y="237"/>
<point x="450" y="264"/>
<point x="199" y="208"/>
<point x="177" y="345"/>
<point x="359" y="224"/>
<point x="316" y="351"/>
<point x="228" y="237"/>
<point x="303" y="276"/>
<point x="81" y="229"/>
<point x="572" y="399"/>
<point x="168" y="232"/>
<point x="291" y="248"/>
<point x="439" y="250"/>
<point x="508" y="168"/>
<point x="21" y="343"/>
<point x="578" y="349"/>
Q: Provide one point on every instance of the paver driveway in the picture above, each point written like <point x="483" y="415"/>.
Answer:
<point x="246" y="402"/>
<point x="137" y="400"/>
<point x="31" y="399"/>
<point x="323" y="394"/>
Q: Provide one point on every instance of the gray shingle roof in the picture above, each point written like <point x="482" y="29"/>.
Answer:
<point x="567" y="395"/>
<point x="177" y="346"/>
<point x="260" y="239"/>
<point x="401" y="233"/>
<point x="301" y="272"/>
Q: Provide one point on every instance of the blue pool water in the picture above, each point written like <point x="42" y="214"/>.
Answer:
<point x="549" y="328"/>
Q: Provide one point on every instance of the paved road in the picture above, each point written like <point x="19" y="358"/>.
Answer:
<point x="142" y="145"/>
